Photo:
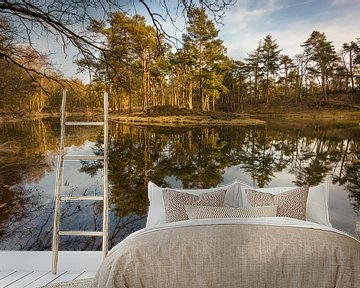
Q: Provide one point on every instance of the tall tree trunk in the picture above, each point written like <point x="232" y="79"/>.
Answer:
<point x="256" y="86"/>
<point x="213" y="102"/>
<point x="130" y="90"/>
<point x="201" y="94"/>
<point x="347" y="76"/>
<point x="162" y="100"/>
<point x="286" y="81"/>
<point x="120" y="100"/>
<point x="144" y="80"/>
<point x="190" y="98"/>
<point x="149" y="87"/>
<point x="323" y="84"/>
<point x="250" y="85"/>
<point x="351" y="71"/>
<point x="267" y="88"/>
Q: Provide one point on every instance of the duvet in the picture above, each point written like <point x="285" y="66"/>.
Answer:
<point x="238" y="252"/>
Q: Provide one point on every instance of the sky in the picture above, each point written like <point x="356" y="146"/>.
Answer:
<point x="290" y="22"/>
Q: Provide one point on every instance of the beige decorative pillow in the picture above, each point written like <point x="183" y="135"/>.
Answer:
<point x="175" y="201"/>
<point x="201" y="212"/>
<point x="290" y="203"/>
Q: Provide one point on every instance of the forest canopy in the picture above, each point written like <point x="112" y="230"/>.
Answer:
<point x="138" y="63"/>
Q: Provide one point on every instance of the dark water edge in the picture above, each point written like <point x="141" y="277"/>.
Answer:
<point x="281" y="153"/>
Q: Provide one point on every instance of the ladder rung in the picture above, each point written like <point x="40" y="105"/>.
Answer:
<point x="83" y="157"/>
<point x="82" y="198"/>
<point x="80" y="233"/>
<point x="84" y="123"/>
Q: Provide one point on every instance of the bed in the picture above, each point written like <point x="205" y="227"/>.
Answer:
<point x="234" y="251"/>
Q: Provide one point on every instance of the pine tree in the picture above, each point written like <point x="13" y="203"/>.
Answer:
<point x="270" y="58"/>
<point x="235" y="81"/>
<point x="185" y="61"/>
<point x="287" y="64"/>
<point x="131" y="46"/>
<point x="323" y="54"/>
<point x="202" y="42"/>
<point x="254" y="68"/>
<point x="352" y="49"/>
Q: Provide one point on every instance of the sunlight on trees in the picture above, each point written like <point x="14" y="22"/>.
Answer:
<point x="140" y="67"/>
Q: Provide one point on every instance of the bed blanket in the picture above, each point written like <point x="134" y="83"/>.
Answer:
<point x="257" y="252"/>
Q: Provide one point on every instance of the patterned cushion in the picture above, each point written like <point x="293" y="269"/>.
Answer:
<point x="290" y="203"/>
<point x="174" y="202"/>
<point x="201" y="212"/>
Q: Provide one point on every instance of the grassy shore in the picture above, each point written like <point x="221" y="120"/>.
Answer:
<point x="337" y="107"/>
<point x="186" y="120"/>
<point x="172" y="116"/>
<point x="252" y="116"/>
<point x="209" y="118"/>
<point x="338" y="110"/>
<point x="321" y="115"/>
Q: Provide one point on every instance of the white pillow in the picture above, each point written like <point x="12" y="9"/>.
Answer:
<point x="317" y="209"/>
<point x="156" y="213"/>
<point x="203" y="212"/>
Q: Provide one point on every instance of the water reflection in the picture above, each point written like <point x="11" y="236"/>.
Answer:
<point x="271" y="155"/>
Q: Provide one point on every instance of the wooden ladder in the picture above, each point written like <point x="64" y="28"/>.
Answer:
<point x="59" y="184"/>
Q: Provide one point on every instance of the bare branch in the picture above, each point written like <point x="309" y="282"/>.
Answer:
<point x="66" y="21"/>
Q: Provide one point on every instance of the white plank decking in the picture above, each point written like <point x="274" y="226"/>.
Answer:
<point x="30" y="269"/>
<point x="32" y="279"/>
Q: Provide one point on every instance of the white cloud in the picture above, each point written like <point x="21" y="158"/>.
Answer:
<point x="244" y="28"/>
<point x="342" y="2"/>
<point x="247" y="11"/>
<point x="245" y="23"/>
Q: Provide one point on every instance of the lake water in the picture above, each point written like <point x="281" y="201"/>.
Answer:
<point x="276" y="154"/>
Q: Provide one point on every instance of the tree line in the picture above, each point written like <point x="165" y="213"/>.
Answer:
<point x="201" y="75"/>
<point x="141" y="68"/>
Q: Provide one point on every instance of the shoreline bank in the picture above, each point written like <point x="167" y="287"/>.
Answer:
<point x="199" y="118"/>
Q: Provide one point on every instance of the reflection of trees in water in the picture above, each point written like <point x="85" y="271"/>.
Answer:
<point x="258" y="157"/>
<point x="18" y="203"/>
<point x="313" y="161"/>
<point x="26" y="210"/>
<point x="138" y="154"/>
<point x="349" y="173"/>
<point x="20" y="206"/>
<point x="196" y="157"/>
<point x="24" y="218"/>
<point x="352" y="184"/>
<point x="193" y="156"/>
<point x="128" y="197"/>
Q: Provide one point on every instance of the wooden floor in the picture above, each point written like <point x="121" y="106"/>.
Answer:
<point x="30" y="279"/>
<point x="32" y="268"/>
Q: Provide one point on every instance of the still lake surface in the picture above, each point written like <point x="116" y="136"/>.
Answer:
<point x="276" y="154"/>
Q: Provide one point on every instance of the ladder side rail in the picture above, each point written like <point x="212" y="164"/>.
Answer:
<point x="58" y="188"/>
<point x="105" y="193"/>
